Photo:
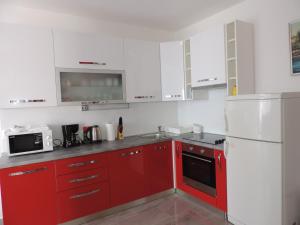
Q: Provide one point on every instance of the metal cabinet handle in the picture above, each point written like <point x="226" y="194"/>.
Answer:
<point x="208" y="79"/>
<point x="194" y="157"/>
<point x="84" y="194"/>
<point x="219" y="161"/>
<point x="92" y="63"/>
<point x="173" y="96"/>
<point x="78" y="180"/>
<point x="82" y="163"/>
<point x="20" y="173"/>
<point x="18" y="101"/>
<point x="131" y="153"/>
<point x="142" y="97"/>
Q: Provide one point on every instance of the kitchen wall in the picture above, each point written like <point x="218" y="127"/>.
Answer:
<point x="272" y="62"/>
<point x="138" y="118"/>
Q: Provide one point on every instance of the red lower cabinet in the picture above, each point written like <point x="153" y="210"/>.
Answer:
<point x="127" y="175"/>
<point x="28" y="195"/>
<point x="221" y="182"/>
<point x="83" y="201"/>
<point x="178" y="162"/>
<point x="159" y="167"/>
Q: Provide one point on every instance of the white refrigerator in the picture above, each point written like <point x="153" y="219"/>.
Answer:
<point x="263" y="159"/>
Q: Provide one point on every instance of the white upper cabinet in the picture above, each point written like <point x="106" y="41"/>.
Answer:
<point x="27" y="72"/>
<point x="208" y="57"/>
<point x="142" y="65"/>
<point x="92" y="51"/>
<point x="172" y="70"/>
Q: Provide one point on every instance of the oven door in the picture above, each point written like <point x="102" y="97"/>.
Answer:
<point x="25" y="143"/>
<point x="199" y="172"/>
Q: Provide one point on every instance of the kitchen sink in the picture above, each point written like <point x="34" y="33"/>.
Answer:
<point x="155" y="136"/>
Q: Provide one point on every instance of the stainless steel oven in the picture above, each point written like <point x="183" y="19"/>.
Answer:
<point x="198" y="166"/>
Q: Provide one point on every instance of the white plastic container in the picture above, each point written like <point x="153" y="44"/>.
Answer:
<point x="110" y="132"/>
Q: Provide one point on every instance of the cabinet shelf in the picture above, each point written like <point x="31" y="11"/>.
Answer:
<point x="231" y="40"/>
<point x="232" y="78"/>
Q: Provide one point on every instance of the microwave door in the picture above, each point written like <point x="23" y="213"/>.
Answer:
<point x="23" y="143"/>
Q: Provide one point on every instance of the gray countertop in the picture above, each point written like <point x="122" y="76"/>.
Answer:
<point x="62" y="153"/>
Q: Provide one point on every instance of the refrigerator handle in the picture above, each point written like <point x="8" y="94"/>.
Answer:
<point x="226" y="149"/>
<point x="226" y="120"/>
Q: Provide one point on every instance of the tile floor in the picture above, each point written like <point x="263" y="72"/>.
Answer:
<point x="171" y="210"/>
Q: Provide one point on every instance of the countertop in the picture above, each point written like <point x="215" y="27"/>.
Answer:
<point x="105" y="146"/>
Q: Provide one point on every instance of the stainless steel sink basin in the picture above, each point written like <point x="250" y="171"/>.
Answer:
<point x="155" y="136"/>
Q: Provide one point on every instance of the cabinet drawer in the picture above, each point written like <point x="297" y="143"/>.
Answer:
<point x="83" y="201"/>
<point x="82" y="163"/>
<point x="80" y="179"/>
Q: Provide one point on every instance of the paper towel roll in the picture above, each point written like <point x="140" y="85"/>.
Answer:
<point x="110" y="132"/>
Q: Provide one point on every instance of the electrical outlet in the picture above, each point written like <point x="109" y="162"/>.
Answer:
<point x="84" y="107"/>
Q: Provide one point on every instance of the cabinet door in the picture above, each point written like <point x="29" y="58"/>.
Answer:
<point x="221" y="183"/>
<point x="142" y="65"/>
<point x="172" y="71"/>
<point x="208" y="57"/>
<point x="28" y="195"/>
<point x="78" y="50"/>
<point x="178" y="160"/>
<point x="27" y="74"/>
<point x="127" y="175"/>
<point x="159" y="167"/>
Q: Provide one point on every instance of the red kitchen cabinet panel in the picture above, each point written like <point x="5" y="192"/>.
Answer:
<point x="127" y="175"/>
<point x="221" y="182"/>
<point x="28" y="195"/>
<point x="159" y="167"/>
<point x="83" y="201"/>
<point x="77" y="164"/>
<point x="178" y="161"/>
<point x="79" y="179"/>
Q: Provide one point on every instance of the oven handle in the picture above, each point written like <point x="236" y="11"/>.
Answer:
<point x="191" y="156"/>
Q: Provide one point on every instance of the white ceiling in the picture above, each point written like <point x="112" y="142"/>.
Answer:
<point x="160" y="14"/>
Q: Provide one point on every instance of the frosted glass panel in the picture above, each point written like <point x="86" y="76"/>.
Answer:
<point x="78" y="87"/>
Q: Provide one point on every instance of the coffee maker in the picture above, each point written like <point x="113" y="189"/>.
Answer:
<point x="70" y="135"/>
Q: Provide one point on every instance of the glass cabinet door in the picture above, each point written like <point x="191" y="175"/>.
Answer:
<point x="91" y="86"/>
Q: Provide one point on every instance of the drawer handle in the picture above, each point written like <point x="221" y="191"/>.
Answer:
<point x="92" y="63"/>
<point x="131" y="153"/>
<point x="85" y="194"/>
<point x="82" y="164"/>
<point x="18" y="101"/>
<point x="20" y="173"/>
<point x="208" y="79"/>
<point x="78" y="180"/>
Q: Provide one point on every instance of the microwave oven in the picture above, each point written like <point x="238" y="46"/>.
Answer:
<point x="22" y="140"/>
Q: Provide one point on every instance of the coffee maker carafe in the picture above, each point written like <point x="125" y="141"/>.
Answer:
<point x="70" y="135"/>
<point x="92" y="134"/>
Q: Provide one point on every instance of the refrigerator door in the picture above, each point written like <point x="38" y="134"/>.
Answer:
<point x="258" y="119"/>
<point x="254" y="182"/>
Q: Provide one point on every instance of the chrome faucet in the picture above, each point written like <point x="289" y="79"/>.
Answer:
<point x="159" y="129"/>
